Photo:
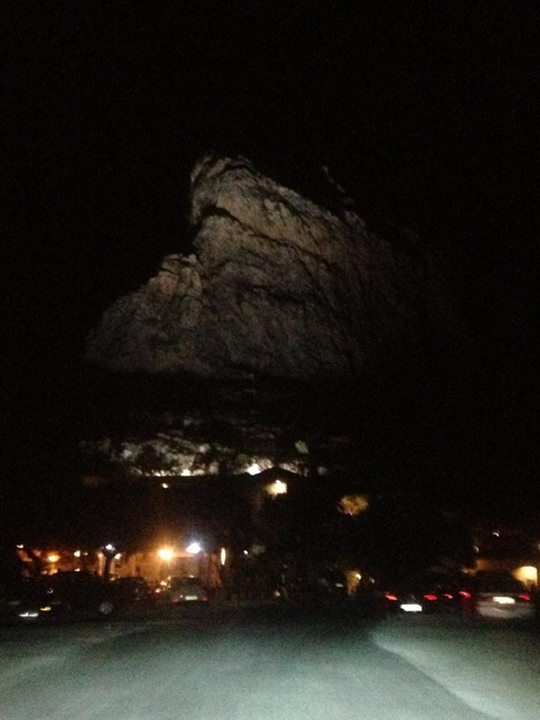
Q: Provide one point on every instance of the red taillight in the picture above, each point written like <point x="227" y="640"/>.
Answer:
<point x="430" y="597"/>
<point x="448" y="595"/>
<point x="525" y="597"/>
<point x="389" y="596"/>
<point x="465" y="594"/>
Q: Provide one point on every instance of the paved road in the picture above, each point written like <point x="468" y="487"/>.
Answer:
<point x="268" y="663"/>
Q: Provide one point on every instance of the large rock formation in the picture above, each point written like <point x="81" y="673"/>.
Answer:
<point x="276" y="285"/>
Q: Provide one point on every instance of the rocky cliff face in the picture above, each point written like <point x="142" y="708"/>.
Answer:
<point x="276" y="285"/>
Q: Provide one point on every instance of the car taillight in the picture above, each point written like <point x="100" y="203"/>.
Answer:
<point x="430" y="597"/>
<point x="464" y="594"/>
<point x="525" y="597"/>
<point x="391" y="597"/>
<point x="448" y="595"/>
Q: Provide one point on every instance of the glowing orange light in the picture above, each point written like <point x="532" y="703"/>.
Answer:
<point x="166" y="553"/>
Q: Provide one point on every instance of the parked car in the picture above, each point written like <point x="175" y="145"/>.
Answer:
<point x="187" y="589"/>
<point x="318" y="584"/>
<point x="426" y="593"/>
<point x="132" y="592"/>
<point x="26" y="600"/>
<point x="408" y="599"/>
<point x="82" y="594"/>
<point x="499" y="595"/>
<point x="330" y="582"/>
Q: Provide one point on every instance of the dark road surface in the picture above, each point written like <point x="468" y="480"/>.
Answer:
<point x="270" y="663"/>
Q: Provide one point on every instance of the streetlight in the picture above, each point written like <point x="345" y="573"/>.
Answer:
<point x="166" y="554"/>
<point x="196" y="549"/>
<point x="109" y="551"/>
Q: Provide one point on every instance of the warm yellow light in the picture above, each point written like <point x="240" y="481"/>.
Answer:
<point x="165" y="485"/>
<point x="278" y="487"/>
<point x="353" y="580"/>
<point x="254" y="469"/>
<point x="353" y="504"/>
<point x="77" y="553"/>
<point x="527" y="573"/>
<point x="53" y="557"/>
<point x="223" y="556"/>
<point x="46" y="608"/>
<point x="166" y="553"/>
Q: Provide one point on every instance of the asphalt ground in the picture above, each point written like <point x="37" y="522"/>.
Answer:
<point x="270" y="662"/>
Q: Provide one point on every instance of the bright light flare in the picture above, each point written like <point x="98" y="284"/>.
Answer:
<point x="194" y="548"/>
<point x="53" y="557"/>
<point x="527" y="573"/>
<point x="165" y="553"/>
<point x="277" y="488"/>
<point x="411" y="607"/>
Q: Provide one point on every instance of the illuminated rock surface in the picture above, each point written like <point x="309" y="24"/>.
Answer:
<point x="276" y="286"/>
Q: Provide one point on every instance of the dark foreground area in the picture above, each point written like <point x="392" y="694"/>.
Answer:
<point x="225" y="663"/>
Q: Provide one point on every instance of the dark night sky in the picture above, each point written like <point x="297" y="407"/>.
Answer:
<point x="425" y="112"/>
